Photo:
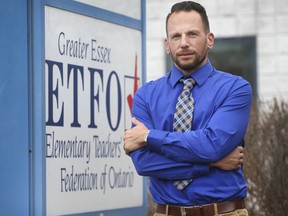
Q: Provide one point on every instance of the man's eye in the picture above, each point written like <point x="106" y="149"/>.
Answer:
<point x="192" y="34"/>
<point x="176" y="37"/>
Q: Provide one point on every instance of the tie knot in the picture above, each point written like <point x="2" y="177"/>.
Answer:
<point x="188" y="83"/>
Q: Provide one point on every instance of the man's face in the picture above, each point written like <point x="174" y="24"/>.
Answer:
<point x="187" y="42"/>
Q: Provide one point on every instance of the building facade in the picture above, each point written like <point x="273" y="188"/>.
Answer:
<point x="263" y="21"/>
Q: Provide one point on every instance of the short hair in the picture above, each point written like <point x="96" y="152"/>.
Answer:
<point x="188" y="6"/>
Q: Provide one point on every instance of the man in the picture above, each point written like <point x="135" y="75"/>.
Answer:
<point x="195" y="171"/>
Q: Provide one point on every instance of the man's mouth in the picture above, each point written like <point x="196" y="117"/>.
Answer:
<point x="185" y="55"/>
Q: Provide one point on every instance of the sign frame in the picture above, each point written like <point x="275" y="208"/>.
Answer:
<point x="37" y="104"/>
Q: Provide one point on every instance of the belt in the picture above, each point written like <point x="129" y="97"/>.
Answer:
<point x="205" y="210"/>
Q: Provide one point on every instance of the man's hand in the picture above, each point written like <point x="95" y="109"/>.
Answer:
<point x="232" y="161"/>
<point x="134" y="137"/>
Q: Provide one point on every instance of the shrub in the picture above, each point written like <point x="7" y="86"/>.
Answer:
<point x="266" y="159"/>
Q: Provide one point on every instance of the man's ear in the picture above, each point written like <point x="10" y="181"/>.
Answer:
<point x="210" y="40"/>
<point x="167" y="48"/>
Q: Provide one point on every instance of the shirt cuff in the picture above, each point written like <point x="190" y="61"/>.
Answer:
<point x="155" y="140"/>
<point x="200" y="170"/>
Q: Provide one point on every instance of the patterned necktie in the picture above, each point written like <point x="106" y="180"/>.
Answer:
<point x="183" y="118"/>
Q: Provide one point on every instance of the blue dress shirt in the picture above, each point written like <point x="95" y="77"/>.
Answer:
<point x="221" y="112"/>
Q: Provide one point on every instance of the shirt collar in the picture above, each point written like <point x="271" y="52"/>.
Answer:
<point x="200" y="75"/>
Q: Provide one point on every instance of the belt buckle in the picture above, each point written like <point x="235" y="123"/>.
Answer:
<point x="198" y="207"/>
<point x="183" y="211"/>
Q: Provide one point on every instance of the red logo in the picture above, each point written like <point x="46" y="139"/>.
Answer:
<point x="130" y="96"/>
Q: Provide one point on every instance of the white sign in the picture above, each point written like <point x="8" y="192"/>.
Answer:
<point x="92" y="70"/>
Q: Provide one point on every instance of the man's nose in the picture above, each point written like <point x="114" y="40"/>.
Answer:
<point x="184" y="42"/>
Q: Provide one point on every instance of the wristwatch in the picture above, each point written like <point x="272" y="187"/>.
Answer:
<point x="146" y="136"/>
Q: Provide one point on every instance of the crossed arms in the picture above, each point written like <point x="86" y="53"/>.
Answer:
<point x="134" y="140"/>
<point x="176" y="155"/>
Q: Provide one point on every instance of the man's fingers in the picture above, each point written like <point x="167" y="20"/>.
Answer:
<point x="134" y="121"/>
<point x="241" y="149"/>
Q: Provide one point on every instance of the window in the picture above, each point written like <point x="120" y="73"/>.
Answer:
<point x="236" y="56"/>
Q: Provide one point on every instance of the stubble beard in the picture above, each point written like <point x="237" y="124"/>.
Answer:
<point x="190" y="66"/>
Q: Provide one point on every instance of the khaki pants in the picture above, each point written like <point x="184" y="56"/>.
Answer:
<point x="237" y="212"/>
